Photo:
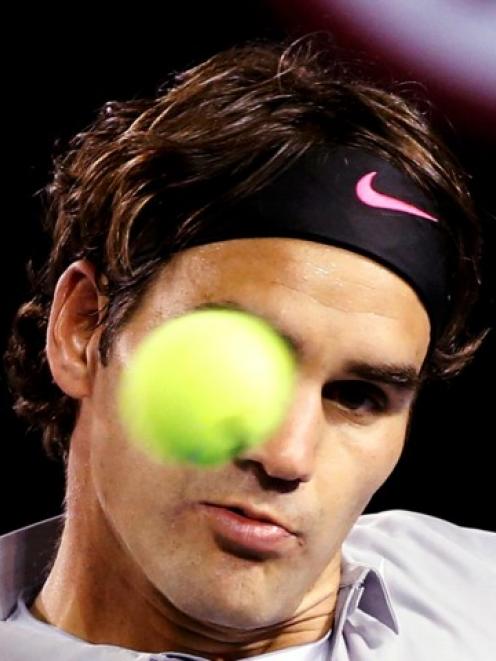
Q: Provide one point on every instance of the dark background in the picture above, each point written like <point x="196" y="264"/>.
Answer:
<point x="63" y="68"/>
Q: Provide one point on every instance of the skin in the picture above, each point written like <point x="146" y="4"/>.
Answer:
<point x="138" y="565"/>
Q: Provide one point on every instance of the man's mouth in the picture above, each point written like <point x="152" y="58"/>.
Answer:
<point x="252" y="529"/>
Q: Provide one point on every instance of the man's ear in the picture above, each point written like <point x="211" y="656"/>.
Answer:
<point x="72" y="333"/>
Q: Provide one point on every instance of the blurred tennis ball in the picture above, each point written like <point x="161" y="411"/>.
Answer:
<point x="204" y="387"/>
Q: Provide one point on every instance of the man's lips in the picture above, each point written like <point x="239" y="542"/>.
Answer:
<point x="257" y="514"/>
<point x="260" y="535"/>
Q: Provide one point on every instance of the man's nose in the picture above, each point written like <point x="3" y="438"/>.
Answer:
<point x="290" y="453"/>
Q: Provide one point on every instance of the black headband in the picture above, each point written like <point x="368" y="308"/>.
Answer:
<point x="351" y="199"/>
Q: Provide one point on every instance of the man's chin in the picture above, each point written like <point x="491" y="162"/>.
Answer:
<point x="237" y="619"/>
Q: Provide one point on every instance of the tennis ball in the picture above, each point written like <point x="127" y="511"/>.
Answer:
<point x="203" y="387"/>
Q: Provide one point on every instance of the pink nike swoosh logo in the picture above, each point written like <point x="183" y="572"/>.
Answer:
<point x="372" y="198"/>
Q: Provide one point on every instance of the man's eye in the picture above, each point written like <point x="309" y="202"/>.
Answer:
<point x="357" y="396"/>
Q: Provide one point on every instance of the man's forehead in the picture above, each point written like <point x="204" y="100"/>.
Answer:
<point x="324" y="275"/>
<point x="323" y="297"/>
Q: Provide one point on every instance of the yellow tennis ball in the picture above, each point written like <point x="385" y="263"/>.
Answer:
<point x="203" y="387"/>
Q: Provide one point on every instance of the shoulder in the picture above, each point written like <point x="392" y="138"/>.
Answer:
<point x="441" y="577"/>
<point x="20" y="643"/>
<point x="421" y="544"/>
<point x="397" y="531"/>
<point x="24" y="642"/>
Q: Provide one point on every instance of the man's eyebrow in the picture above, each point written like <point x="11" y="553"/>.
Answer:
<point x="402" y="377"/>
<point x="295" y="343"/>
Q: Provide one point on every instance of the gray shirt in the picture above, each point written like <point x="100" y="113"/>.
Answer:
<point x="413" y="588"/>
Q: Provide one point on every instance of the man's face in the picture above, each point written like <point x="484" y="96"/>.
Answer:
<point x="357" y="323"/>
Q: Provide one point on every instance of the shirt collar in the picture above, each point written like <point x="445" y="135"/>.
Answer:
<point x="26" y="555"/>
<point x="367" y="589"/>
<point x="25" y="559"/>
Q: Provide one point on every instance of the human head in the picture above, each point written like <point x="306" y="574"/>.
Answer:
<point x="137" y="184"/>
<point x="133" y="185"/>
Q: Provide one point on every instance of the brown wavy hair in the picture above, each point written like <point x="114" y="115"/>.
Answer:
<point x="130" y="190"/>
